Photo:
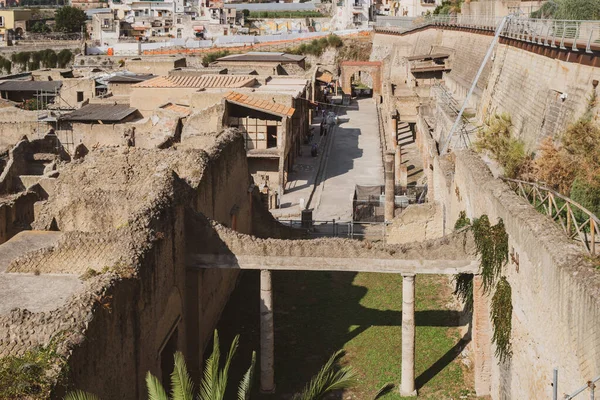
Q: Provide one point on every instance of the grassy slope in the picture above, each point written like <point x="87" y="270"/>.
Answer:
<point x="318" y="313"/>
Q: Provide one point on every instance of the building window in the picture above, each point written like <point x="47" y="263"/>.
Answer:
<point x="1" y="21"/>
<point x="271" y="137"/>
<point x="79" y="97"/>
<point x="178" y="20"/>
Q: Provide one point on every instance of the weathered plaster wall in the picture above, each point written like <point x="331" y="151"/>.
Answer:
<point x="555" y="292"/>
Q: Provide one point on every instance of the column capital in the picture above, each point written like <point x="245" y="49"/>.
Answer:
<point x="408" y="276"/>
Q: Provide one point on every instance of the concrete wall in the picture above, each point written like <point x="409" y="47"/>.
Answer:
<point x="555" y="291"/>
<point x="146" y="100"/>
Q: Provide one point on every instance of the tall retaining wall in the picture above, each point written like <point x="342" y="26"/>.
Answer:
<point x="555" y="291"/>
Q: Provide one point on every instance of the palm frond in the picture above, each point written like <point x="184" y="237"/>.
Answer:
<point x="222" y="381"/>
<point x="246" y="382"/>
<point x="182" y="385"/>
<point x="81" y="395"/>
<point x="385" y="389"/>
<point x="155" y="388"/>
<point x="211" y="372"/>
<point x="328" y="379"/>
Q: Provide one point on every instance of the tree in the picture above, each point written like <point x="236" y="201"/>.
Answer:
<point x="246" y="13"/>
<point x="69" y="19"/>
<point x="569" y="9"/>
<point x="64" y="57"/>
<point x="40" y="27"/>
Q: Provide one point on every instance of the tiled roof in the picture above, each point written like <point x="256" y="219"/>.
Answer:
<point x="179" y="109"/>
<point x="101" y="112"/>
<point x="269" y="107"/>
<point x="204" y="81"/>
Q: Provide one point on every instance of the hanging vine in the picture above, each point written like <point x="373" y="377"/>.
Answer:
<point x="492" y="247"/>
<point x="464" y="289"/>
<point x="491" y="242"/>
<point x="501" y="316"/>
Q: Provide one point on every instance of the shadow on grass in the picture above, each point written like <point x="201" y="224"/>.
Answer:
<point x="315" y="314"/>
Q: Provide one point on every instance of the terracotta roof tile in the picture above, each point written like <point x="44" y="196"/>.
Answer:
<point x="203" y="81"/>
<point x="260" y="104"/>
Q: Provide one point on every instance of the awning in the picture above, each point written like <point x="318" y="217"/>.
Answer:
<point x="139" y="28"/>
<point x="199" y="28"/>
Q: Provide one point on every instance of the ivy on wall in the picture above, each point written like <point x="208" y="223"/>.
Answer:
<point x="501" y="316"/>
<point x="491" y="243"/>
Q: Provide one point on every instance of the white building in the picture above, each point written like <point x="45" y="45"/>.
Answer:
<point x="349" y="14"/>
<point x="409" y="8"/>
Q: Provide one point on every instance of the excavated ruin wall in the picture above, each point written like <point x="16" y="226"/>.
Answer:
<point x="528" y="87"/>
<point x="525" y="85"/>
<point x="555" y="292"/>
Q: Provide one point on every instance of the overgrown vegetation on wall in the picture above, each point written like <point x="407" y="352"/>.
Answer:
<point x="317" y="46"/>
<point x="211" y="57"/>
<point x="570" y="164"/>
<point x="33" y="375"/>
<point x="491" y="242"/>
<point x="496" y="138"/>
<point x="569" y="9"/>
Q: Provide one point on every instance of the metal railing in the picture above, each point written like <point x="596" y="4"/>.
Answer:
<point x="591" y="385"/>
<point x="556" y="33"/>
<point x="577" y="222"/>
<point x="373" y="231"/>
<point x="452" y="107"/>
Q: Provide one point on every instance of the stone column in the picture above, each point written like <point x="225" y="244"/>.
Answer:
<point x="267" y="336"/>
<point x="398" y="163"/>
<point x="389" y="186"/>
<point x="481" y="334"/>
<point x="407" y="386"/>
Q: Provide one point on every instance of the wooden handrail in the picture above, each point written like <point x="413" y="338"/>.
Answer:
<point x="547" y="199"/>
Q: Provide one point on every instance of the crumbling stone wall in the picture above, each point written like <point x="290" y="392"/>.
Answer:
<point x="555" y="290"/>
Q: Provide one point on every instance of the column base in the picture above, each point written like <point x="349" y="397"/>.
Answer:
<point x="409" y="394"/>
<point x="270" y="391"/>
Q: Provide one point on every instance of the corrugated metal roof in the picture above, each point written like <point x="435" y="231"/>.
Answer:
<point x="130" y="78"/>
<point x="29" y="86"/>
<point x="259" y="104"/>
<point x="263" y="57"/>
<point x="101" y="112"/>
<point x="204" y="81"/>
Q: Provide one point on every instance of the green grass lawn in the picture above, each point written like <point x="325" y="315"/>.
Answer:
<point x="317" y="313"/>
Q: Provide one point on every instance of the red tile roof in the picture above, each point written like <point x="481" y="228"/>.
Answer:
<point x="203" y="81"/>
<point x="259" y="104"/>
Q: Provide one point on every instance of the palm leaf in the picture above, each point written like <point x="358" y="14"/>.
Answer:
<point x="182" y="385"/>
<point x="81" y="395"/>
<point x="222" y="382"/>
<point x="328" y="379"/>
<point x="211" y="372"/>
<point x="155" y="388"/>
<point x="385" y="389"/>
<point x="246" y="382"/>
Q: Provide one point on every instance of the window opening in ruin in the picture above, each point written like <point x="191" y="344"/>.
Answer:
<point x="167" y="362"/>
<point x="271" y="137"/>
<point x="79" y="97"/>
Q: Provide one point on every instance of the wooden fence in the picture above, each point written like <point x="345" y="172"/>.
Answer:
<point x="577" y="222"/>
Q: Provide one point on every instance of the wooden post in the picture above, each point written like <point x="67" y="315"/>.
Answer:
<point x="569" y="220"/>
<point x="549" y="204"/>
<point x="593" y="236"/>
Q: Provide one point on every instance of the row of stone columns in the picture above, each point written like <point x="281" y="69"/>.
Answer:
<point x="481" y="336"/>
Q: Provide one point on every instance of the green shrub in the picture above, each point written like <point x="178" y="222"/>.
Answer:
<point x="587" y="193"/>
<point x="211" y="57"/>
<point x="335" y="41"/>
<point x="569" y="9"/>
<point x="29" y="376"/>
<point x="496" y="138"/>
